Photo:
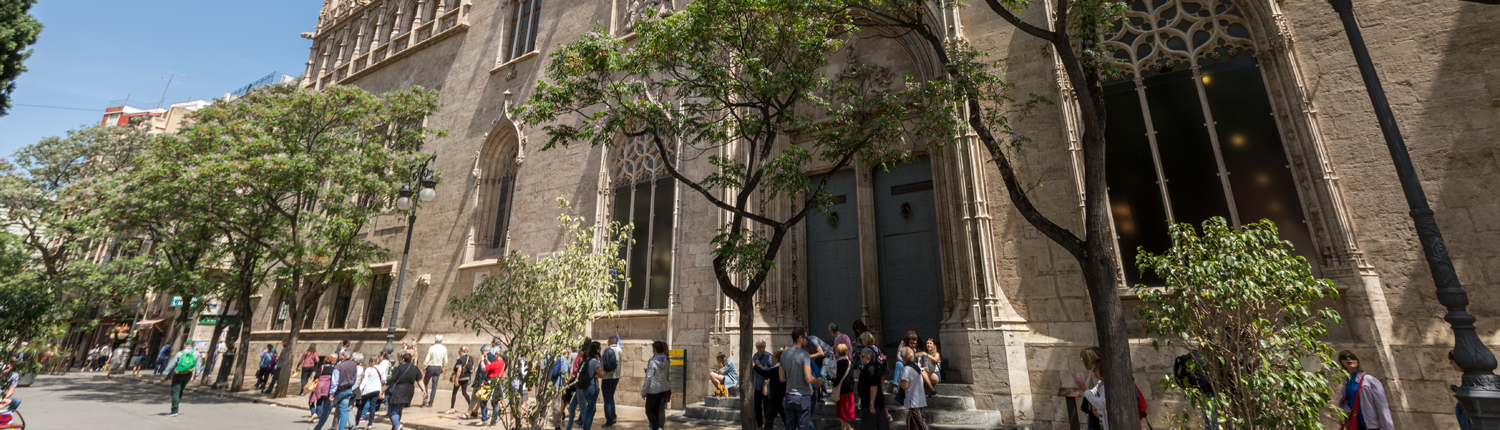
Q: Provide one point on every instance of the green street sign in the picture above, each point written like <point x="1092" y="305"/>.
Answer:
<point x="177" y="302"/>
<point x="219" y="319"/>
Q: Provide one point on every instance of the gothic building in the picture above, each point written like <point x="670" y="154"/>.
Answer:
<point x="1246" y="109"/>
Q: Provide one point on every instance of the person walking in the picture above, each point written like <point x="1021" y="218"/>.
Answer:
<point x="760" y="360"/>
<point x="914" y="382"/>
<point x="437" y="358"/>
<point x="320" y="401"/>
<point x="797" y="373"/>
<point x="463" y="371"/>
<point x="494" y="375"/>
<point x="405" y="379"/>
<point x="845" y="407"/>
<point x="657" y="388"/>
<point x="345" y="377"/>
<point x="610" y="363"/>
<point x="368" y="389"/>
<point x="561" y="375"/>
<point x="267" y="362"/>
<point x="309" y="364"/>
<point x="575" y="399"/>
<point x="182" y="366"/>
<point x="161" y="358"/>
<point x="587" y="387"/>
<point x="476" y="381"/>
<point x="1364" y="397"/>
<point x="137" y="360"/>
<point x="872" y="413"/>
<point x="726" y="378"/>
<point x="775" y="388"/>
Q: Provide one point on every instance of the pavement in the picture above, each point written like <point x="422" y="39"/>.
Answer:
<point x="86" y="400"/>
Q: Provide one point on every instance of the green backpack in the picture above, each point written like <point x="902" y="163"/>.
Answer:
<point x="187" y="361"/>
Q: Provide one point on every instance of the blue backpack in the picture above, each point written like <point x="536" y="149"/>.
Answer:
<point x="610" y="361"/>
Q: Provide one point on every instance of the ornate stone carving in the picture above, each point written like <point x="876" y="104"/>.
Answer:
<point x="638" y="161"/>
<point x="636" y="12"/>
<point x="1179" y="32"/>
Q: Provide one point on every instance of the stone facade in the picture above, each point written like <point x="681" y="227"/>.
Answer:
<point x="1015" y="311"/>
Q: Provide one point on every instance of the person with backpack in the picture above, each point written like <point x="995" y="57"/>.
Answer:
<point x="1094" y="406"/>
<point x="587" y="387"/>
<point x="1364" y="397"/>
<point x="182" y="366"/>
<point x="611" y="365"/>
<point x="1191" y="372"/>
<point x="560" y="374"/>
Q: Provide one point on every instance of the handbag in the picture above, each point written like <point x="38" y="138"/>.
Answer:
<point x="485" y="391"/>
<point x="312" y="385"/>
<point x="1352" y="422"/>
<point x="835" y="391"/>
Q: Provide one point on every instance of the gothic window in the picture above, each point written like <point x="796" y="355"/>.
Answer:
<point x="523" y="20"/>
<point x="498" y="165"/>
<point x="380" y="287"/>
<point x="342" y="299"/>
<point x="1190" y="130"/>
<point x="644" y="197"/>
<point x="283" y="310"/>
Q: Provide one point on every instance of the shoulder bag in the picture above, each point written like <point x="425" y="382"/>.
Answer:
<point x="392" y="386"/>
<point x="1352" y="422"/>
<point x="836" y="392"/>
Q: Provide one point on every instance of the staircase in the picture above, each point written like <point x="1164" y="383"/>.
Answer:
<point x="952" y="409"/>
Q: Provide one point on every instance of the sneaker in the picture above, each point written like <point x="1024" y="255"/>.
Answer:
<point x="172" y="414"/>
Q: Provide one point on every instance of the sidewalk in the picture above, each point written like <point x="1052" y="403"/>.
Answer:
<point x="415" y="418"/>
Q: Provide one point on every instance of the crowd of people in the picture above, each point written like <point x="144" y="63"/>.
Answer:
<point x="789" y="385"/>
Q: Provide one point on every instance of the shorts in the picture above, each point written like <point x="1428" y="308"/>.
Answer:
<point x="845" y="408"/>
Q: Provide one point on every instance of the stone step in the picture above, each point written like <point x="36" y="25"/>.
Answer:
<point x="953" y="420"/>
<point x="722" y="402"/>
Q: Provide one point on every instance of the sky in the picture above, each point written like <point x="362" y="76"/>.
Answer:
<point x="92" y="52"/>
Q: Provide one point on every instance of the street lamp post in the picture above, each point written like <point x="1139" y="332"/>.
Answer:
<point x="427" y="179"/>
<point x="1480" y="393"/>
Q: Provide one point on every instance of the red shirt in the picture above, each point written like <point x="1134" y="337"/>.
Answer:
<point x="495" y="368"/>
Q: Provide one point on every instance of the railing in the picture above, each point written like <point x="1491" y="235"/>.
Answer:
<point x="270" y="79"/>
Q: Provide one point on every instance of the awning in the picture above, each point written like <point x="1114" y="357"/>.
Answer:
<point x="150" y="323"/>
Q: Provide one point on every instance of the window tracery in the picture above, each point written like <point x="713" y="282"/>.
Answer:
<point x="1191" y="132"/>
<point x="644" y="195"/>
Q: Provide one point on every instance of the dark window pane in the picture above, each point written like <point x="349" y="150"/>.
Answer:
<point x="1134" y="197"/>
<point x="1258" y="170"/>
<point x="536" y="8"/>
<point x="343" y="295"/>
<point x="283" y="310"/>
<point x="639" y="255"/>
<point x="661" y="244"/>
<point x="622" y="215"/>
<point x="380" y="287"/>
<point x="1187" y="154"/>
<point x="502" y="209"/>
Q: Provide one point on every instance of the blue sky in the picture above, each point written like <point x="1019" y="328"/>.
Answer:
<point x="92" y="52"/>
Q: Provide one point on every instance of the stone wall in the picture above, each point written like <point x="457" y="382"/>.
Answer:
<point x="1434" y="61"/>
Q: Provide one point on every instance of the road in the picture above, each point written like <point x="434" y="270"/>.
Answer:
<point x="80" y="401"/>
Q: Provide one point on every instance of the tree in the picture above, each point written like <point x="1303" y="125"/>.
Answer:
<point x="50" y="190"/>
<point x="18" y="30"/>
<point x="1251" y="312"/>
<point x="22" y="313"/>
<point x="743" y="77"/>
<point x="981" y="98"/>
<point x="312" y="167"/>
<point x="539" y="311"/>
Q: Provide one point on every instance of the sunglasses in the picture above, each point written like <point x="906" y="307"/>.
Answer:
<point x="1348" y="357"/>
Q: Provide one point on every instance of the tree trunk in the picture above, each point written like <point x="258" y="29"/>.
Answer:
<point x="246" y="316"/>
<point x="213" y="347"/>
<point x="746" y="304"/>
<point x="294" y="317"/>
